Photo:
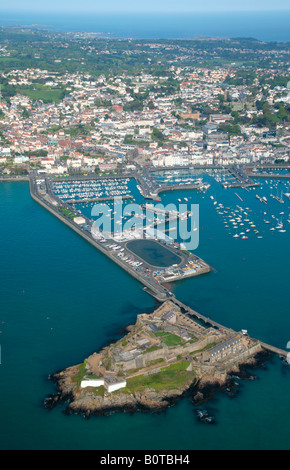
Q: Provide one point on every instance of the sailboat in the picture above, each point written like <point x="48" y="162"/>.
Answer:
<point x="280" y="224"/>
<point x="279" y="199"/>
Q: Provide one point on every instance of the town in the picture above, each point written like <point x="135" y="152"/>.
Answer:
<point x="160" y="116"/>
<point x="82" y="122"/>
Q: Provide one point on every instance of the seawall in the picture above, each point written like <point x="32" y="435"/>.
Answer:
<point x="152" y="290"/>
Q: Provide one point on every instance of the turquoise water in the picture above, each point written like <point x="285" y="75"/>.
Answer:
<point x="57" y="307"/>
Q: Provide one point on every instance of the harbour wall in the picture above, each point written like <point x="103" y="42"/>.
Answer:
<point x="157" y="293"/>
<point x="9" y="179"/>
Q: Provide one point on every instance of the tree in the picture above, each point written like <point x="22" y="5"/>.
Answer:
<point x="157" y="134"/>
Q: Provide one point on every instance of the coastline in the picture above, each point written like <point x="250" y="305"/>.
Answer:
<point x="201" y="386"/>
<point x="198" y="392"/>
<point x="256" y="394"/>
<point x="156" y="377"/>
<point x="173" y="26"/>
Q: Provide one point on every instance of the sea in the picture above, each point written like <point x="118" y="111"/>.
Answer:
<point x="57" y="307"/>
<point x="264" y="26"/>
<point x="61" y="300"/>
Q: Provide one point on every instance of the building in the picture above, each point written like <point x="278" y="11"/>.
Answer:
<point x="79" y="220"/>
<point x="224" y="349"/>
<point x="110" y="383"/>
<point x="219" y="118"/>
<point x="107" y="166"/>
<point x="92" y="383"/>
<point x="113" y="383"/>
<point x="169" y="317"/>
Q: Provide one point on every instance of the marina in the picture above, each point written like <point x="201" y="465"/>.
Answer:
<point x="90" y="190"/>
<point x="237" y="220"/>
<point x="114" y="245"/>
<point x="223" y="212"/>
<point x="145" y="207"/>
<point x="142" y="248"/>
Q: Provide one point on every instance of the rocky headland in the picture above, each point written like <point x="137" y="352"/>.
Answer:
<point x="163" y="357"/>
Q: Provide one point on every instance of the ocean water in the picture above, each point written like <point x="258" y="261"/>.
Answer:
<point x="265" y="26"/>
<point x="57" y="307"/>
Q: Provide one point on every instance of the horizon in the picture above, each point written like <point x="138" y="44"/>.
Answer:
<point x="151" y="7"/>
<point x="262" y="25"/>
<point x="135" y="12"/>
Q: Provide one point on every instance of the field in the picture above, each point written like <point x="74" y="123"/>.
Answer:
<point x="169" y="339"/>
<point x="41" y="92"/>
<point x="169" y="378"/>
<point x="68" y="213"/>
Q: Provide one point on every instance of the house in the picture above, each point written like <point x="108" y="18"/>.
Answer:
<point x="224" y="349"/>
<point x="107" y="166"/>
<point x="219" y="118"/>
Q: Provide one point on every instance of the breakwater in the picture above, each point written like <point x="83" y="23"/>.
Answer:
<point x="155" y="289"/>
<point x="9" y="179"/>
<point x="270" y="176"/>
<point x="158" y="291"/>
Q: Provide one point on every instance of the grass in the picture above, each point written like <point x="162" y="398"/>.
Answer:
<point x="155" y="361"/>
<point x="169" y="339"/>
<point x="193" y="339"/>
<point x="99" y="390"/>
<point x="210" y="345"/>
<point x="152" y="348"/>
<point x="80" y="374"/>
<point x="169" y="378"/>
<point x="182" y="365"/>
<point x="68" y="213"/>
<point x="41" y="92"/>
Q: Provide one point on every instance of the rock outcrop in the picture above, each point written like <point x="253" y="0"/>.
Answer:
<point x="91" y="402"/>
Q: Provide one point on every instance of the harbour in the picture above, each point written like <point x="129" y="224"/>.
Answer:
<point x="137" y="268"/>
<point x="226" y="411"/>
<point x="145" y="208"/>
<point x="136" y="262"/>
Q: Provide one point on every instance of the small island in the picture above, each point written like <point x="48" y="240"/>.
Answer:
<point x="164" y="356"/>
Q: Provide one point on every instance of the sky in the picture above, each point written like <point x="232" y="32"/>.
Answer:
<point x="133" y="6"/>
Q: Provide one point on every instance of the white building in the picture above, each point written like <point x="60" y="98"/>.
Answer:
<point x="21" y="159"/>
<point x="112" y="384"/>
<point x="92" y="383"/>
<point x="79" y="220"/>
